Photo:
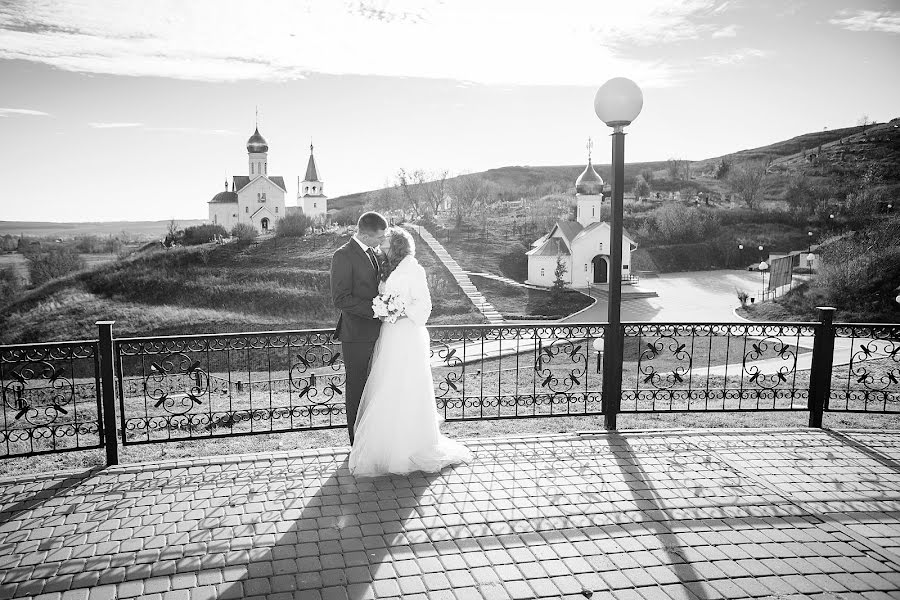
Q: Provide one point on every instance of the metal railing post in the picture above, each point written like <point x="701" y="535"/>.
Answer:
<point x="108" y="393"/>
<point x="612" y="376"/>
<point x="820" y="370"/>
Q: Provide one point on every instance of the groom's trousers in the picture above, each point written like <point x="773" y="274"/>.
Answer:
<point x="357" y="362"/>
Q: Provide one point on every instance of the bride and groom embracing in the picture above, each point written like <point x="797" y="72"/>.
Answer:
<point x="391" y="411"/>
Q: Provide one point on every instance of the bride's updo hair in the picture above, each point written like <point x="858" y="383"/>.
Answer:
<point x="400" y="245"/>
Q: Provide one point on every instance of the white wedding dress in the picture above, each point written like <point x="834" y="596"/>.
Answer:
<point x="397" y="423"/>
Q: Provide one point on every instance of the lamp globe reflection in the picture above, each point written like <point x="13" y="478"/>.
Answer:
<point x="618" y="102"/>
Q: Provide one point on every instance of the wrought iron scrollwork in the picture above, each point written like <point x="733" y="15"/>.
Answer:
<point x="876" y="365"/>
<point x="38" y="393"/>
<point x="666" y="346"/>
<point x="176" y="383"/>
<point x="769" y="349"/>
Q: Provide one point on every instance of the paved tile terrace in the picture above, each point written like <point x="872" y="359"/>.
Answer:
<point x="776" y="514"/>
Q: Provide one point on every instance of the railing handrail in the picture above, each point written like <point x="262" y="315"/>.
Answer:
<point x="61" y="344"/>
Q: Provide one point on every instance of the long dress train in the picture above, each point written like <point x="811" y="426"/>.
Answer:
<point x="397" y="423"/>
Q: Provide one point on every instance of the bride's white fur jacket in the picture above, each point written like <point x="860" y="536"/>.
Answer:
<point x="409" y="283"/>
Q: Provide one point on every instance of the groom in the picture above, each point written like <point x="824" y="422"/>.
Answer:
<point x="355" y="269"/>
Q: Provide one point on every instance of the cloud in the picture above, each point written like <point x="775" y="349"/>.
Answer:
<point x="5" y="112"/>
<point x="738" y="56"/>
<point x="868" y="20"/>
<point x="143" y="127"/>
<point x="113" y="125"/>
<point x="498" y="42"/>
<point x="729" y="31"/>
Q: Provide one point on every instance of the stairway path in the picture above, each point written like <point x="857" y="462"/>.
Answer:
<point x="462" y="279"/>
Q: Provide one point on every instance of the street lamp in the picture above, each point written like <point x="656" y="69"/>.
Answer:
<point x="809" y="237"/>
<point x="763" y="266"/>
<point x="617" y="103"/>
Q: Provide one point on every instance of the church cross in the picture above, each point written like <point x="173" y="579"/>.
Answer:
<point x="589" y="146"/>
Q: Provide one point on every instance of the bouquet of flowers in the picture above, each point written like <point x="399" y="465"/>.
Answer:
<point x="389" y="307"/>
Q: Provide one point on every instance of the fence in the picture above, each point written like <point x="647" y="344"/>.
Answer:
<point x="64" y="396"/>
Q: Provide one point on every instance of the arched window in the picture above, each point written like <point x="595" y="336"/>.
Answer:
<point x="542" y="271"/>
<point x="246" y="209"/>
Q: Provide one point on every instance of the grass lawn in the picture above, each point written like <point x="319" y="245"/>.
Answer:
<point x="523" y="303"/>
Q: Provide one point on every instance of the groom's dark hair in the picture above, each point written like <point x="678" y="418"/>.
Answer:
<point x="371" y="222"/>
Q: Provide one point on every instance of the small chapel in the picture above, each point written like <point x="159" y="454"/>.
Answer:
<point x="583" y="244"/>
<point x="258" y="198"/>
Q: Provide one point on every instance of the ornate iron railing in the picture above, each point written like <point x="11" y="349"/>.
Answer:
<point x="716" y="367"/>
<point x="178" y="387"/>
<point x="207" y="386"/>
<point x="50" y="396"/>
<point x="866" y="373"/>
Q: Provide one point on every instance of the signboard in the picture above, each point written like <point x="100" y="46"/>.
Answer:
<point x="780" y="272"/>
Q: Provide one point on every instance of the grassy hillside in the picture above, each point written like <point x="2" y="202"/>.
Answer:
<point x="132" y="229"/>
<point x="275" y="284"/>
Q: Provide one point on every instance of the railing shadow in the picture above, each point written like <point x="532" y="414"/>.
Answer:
<point x="643" y="490"/>
<point x="344" y="535"/>
<point x="42" y="495"/>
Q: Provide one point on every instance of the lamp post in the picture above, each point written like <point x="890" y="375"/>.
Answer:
<point x="617" y="103"/>
<point x="809" y="237"/>
<point x="763" y="266"/>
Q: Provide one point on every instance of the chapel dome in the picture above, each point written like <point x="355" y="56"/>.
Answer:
<point x="589" y="182"/>
<point x="225" y="197"/>
<point x="257" y="143"/>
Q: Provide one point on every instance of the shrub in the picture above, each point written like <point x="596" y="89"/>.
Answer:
<point x="676" y="224"/>
<point x="244" y="232"/>
<point x="514" y="263"/>
<point x="742" y="296"/>
<point x="202" y="234"/>
<point x="8" y="243"/>
<point x="10" y="284"/>
<point x="57" y="262"/>
<point x="294" y="225"/>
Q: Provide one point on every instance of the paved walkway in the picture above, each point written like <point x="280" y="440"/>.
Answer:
<point x="702" y="296"/>
<point x="774" y="514"/>
<point x="487" y="309"/>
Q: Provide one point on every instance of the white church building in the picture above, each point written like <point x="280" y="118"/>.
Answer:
<point x="310" y="192"/>
<point x="583" y="245"/>
<point x="258" y="198"/>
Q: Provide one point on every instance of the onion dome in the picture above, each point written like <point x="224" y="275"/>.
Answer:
<point x="589" y="183"/>
<point x="225" y="197"/>
<point x="257" y="143"/>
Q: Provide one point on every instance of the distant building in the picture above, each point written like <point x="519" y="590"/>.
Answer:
<point x="256" y="199"/>
<point x="582" y="245"/>
<point x="311" y="191"/>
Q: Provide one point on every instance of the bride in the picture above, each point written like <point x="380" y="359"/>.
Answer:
<point x="397" y="424"/>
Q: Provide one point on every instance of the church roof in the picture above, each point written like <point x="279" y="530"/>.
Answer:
<point x="257" y="143"/>
<point x="552" y="247"/>
<point x="225" y="198"/>
<point x="241" y="181"/>
<point x="589" y="182"/>
<point x="569" y="229"/>
<point x="597" y="224"/>
<point x="311" y="173"/>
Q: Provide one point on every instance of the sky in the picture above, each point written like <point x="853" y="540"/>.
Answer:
<point x="140" y="110"/>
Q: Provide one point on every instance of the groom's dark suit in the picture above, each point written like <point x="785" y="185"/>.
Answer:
<point x="354" y="283"/>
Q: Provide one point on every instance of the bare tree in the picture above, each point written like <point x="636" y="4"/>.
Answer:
<point x="674" y="167"/>
<point x="410" y="187"/>
<point x="641" y="188"/>
<point x="468" y="191"/>
<point x="434" y="188"/>
<point x="746" y="182"/>
<point x="387" y="199"/>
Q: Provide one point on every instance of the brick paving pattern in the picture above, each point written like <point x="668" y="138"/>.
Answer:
<point x="774" y="514"/>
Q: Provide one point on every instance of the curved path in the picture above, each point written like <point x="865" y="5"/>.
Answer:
<point x="699" y="296"/>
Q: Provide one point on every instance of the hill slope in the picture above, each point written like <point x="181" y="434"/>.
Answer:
<point x="842" y="152"/>
<point x="275" y="284"/>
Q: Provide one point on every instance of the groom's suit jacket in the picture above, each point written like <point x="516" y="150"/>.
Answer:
<point x="354" y="283"/>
